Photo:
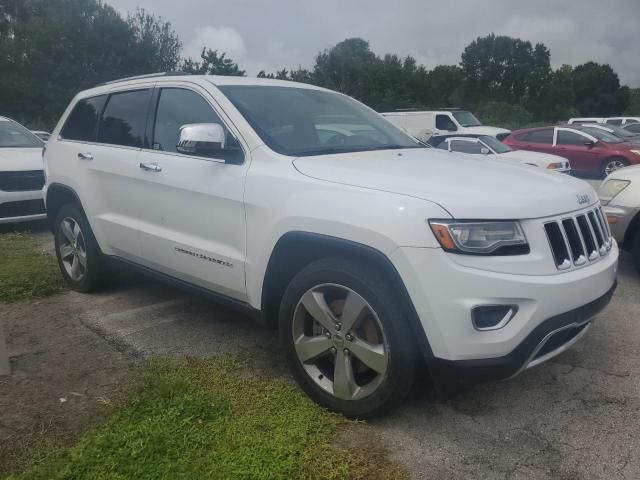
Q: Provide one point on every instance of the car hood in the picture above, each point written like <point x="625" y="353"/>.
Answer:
<point x="465" y="187"/>
<point x="526" y="156"/>
<point x="15" y="159"/>
<point x="486" y="130"/>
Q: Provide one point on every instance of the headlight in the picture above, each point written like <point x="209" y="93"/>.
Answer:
<point x="554" y="166"/>
<point x="611" y="188"/>
<point x="480" y="238"/>
<point x="637" y="152"/>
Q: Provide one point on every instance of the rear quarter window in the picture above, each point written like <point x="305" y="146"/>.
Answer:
<point x="82" y="123"/>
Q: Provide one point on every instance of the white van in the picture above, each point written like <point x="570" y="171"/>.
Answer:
<point x="425" y="124"/>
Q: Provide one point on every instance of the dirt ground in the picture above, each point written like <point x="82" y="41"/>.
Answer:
<point x="63" y="376"/>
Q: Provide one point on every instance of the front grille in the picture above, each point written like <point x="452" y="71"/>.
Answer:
<point x="24" y="181"/>
<point x="22" y="208"/>
<point x="559" y="339"/>
<point x="576" y="240"/>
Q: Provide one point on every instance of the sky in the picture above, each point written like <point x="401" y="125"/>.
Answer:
<point x="276" y="34"/>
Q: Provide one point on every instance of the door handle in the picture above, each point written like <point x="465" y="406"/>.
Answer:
<point x="85" y="156"/>
<point x="150" y="166"/>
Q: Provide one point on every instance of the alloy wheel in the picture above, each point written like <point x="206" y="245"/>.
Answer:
<point x="613" y="165"/>
<point x="340" y="341"/>
<point x="72" y="249"/>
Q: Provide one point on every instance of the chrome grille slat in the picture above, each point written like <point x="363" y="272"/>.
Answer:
<point x="579" y="239"/>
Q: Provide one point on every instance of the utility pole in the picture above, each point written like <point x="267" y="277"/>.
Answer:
<point x="5" y="368"/>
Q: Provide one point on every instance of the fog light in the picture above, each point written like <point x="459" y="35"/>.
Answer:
<point x="492" y="317"/>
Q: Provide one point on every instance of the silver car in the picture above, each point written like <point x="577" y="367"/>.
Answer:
<point x="620" y="197"/>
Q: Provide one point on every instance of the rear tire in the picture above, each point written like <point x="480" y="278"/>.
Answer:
<point x="612" y="164"/>
<point x="361" y="318"/>
<point x="79" y="257"/>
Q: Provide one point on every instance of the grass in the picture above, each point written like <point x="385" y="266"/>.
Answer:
<point x="25" y="271"/>
<point x="208" y="419"/>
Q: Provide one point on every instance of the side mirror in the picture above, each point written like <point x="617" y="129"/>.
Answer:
<point x="201" y="139"/>
<point x="590" y="143"/>
<point x="484" y="151"/>
<point x="451" y="127"/>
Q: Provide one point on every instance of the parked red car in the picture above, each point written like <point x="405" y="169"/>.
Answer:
<point x="590" y="150"/>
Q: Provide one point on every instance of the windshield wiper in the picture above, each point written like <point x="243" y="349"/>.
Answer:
<point x="368" y="148"/>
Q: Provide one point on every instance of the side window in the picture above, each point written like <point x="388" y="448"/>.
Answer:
<point x="82" y="123"/>
<point x="465" y="147"/>
<point x="443" y="122"/>
<point x="541" y="136"/>
<point x="124" y="118"/>
<point x="570" y="138"/>
<point x="177" y="107"/>
<point x="614" y="121"/>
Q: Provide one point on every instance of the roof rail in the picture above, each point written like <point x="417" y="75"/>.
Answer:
<point x="138" y="77"/>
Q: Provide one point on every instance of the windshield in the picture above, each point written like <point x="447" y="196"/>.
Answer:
<point x="14" y="135"/>
<point x="617" y="131"/>
<point x="302" y="121"/>
<point x="466" y="119"/>
<point x="495" y="144"/>
<point x="601" y="135"/>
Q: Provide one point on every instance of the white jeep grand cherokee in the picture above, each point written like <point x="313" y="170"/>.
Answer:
<point x="374" y="254"/>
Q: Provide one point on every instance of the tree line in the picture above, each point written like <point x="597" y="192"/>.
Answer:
<point x="51" y="49"/>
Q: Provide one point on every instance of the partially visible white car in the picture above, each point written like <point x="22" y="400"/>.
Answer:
<point x="581" y="120"/>
<point x="425" y="124"/>
<point x="21" y="174"/>
<point x="41" y="134"/>
<point x="607" y="120"/>
<point x="496" y="150"/>
<point x="620" y="197"/>
<point x="621" y="120"/>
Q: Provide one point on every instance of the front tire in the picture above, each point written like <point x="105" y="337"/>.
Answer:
<point x="610" y="165"/>
<point x="345" y="338"/>
<point x="79" y="257"/>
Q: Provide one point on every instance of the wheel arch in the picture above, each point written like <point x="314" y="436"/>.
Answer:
<point x="615" y="156"/>
<point x="57" y="196"/>
<point x="294" y="250"/>
<point x="632" y="231"/>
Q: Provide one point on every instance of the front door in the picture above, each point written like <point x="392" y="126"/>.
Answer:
<point x="192" y="206"/>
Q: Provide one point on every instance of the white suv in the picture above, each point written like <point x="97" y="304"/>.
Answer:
<point x="369" y="251"/>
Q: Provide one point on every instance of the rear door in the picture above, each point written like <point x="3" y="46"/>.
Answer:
<point x="99" y="144"/>
<point x="572" y="144"/>
<point x="536" y="140"/>
<point x="192" y="206"/>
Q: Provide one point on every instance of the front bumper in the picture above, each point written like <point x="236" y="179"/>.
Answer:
<point x="444" y="292"/>
<point x="550" y="338"/>
<point x="22" y="206"/>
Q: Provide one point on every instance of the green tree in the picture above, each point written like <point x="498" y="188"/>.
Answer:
<point x="633" y="108"/>
<point x="212" y="63"/>
<point x="157" y="46"/>
<point x="506" y="69"/>
<point x="444" y="87"/>
<point x="51" y="49"/>
<point x="347" y="68"/>
<point x="597" y="90"/>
